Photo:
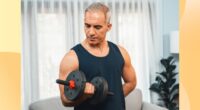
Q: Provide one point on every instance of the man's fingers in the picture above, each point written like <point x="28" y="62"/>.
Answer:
<point x="89" y="88"/>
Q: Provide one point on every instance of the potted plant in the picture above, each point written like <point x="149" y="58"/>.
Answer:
<point x="166" y="86"/>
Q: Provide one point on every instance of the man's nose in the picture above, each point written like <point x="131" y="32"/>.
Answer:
<point x="92" y="31"/>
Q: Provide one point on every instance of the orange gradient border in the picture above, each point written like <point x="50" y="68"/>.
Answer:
<point x="189" y="54"/>
<point x="10" y="53"/>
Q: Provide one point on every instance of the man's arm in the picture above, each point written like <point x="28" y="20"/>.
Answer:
<point x="128" y="75"/>
<point x="68" y="64"/>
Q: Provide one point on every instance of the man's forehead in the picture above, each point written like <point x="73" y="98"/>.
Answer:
<point x="97" y="16"/>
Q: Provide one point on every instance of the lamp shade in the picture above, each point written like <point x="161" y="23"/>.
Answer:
<point x="174" y="42"/>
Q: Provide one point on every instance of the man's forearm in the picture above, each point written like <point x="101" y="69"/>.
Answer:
<point x="127" y="88"/>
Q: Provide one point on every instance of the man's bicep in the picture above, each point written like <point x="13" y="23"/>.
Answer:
<point x="128" y="69"/>
<point x="128" y="73"/>
<point x="68" y="64"/>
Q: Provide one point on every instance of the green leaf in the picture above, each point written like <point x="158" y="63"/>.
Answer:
<point x="159" y="79"/>
<point x="170" y="58"/>
<point x="171" y="68"/>
<point x="160" y="82"/>
<point x="173" y="74"/>
<point x="155" y="87"/>
<point x="164" y="62"/>
<point x="171" y="82"/>
<point x="164" y="94"/>
<point x="177" y="108"/>
<point x="172" y="106"/>
<point x="175" y="87"/>
<point x="172" y="62"/>
<point x="164" y="74"/>
<point x="166" y="100"/>
<point x="174" y="97"/>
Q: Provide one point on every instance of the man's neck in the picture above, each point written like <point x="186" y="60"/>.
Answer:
<point x="97" y="50"/>
<point x="101" y="46"/>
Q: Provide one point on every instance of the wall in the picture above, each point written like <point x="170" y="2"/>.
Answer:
<point x="170" y="17"/>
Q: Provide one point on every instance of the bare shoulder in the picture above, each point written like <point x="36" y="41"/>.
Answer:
<point x="69" y="63"/>
<point x="123" y="52"/>
<point x="70" y="55"/>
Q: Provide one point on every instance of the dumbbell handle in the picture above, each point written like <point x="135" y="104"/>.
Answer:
<point x="66" y="83"/>
<point x="108" y="93"/>
<point x="71" y="84"/>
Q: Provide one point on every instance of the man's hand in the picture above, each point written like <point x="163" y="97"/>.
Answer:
<point x="89" y="90"/>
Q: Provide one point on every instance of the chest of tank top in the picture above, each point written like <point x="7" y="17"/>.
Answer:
<point x="110" y="67"/>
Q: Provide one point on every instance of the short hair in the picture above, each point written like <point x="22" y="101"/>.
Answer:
<point x="98" y="6"/>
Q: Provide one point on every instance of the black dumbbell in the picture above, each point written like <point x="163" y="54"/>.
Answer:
<point x="75" y="85"/>
<point x="101" y="90"/>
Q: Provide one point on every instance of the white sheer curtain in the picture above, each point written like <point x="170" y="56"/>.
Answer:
<point x="51" y="27"/>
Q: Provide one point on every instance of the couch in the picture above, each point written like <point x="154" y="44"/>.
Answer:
<point x="136" y="103"/>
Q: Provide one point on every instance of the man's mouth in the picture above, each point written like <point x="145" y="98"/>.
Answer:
<point x="92" y="38"/>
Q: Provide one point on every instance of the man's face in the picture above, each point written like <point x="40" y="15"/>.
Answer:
<point x="95" y="27"/>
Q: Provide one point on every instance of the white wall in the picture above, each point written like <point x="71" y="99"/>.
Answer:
<point x="170" y="23"/>
<point x="170" y="20"/>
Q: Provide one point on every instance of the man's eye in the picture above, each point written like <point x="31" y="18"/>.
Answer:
<point x="98" y="27"/>
<point x="87" y="26"/>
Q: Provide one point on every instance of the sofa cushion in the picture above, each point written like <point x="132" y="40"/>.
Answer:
<point x="148" y="106"/>
<point x="49" y="104"/>
<point x="134" y="100"/>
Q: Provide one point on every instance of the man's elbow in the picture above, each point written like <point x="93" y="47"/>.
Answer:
<point x="67" y="104"/>
<point x="133" y="85"/>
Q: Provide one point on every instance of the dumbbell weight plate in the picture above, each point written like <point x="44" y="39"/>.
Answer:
<point x="101" y="90"/>
<point x="80" y="80"/>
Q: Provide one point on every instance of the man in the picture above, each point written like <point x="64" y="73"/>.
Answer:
<point x="97" y="57"/>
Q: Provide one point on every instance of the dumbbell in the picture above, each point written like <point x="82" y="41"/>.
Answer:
<point x="74" y="86"/>
<point x="101" y="90"/>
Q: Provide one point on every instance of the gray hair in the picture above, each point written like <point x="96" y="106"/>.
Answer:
<point x="97" y="6"/>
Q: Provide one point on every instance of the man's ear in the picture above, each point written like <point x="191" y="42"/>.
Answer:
<point x="109" y="26"/>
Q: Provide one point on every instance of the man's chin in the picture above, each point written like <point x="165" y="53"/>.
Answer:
<point x="93" y="43"/>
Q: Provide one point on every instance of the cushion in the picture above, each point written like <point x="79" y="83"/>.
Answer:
<point x="134" y="100"/>
<point x="49" y="104"/>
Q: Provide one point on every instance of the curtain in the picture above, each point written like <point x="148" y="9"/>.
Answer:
<point x="51" y="27"/>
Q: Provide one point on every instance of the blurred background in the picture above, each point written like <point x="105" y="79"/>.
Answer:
<point x="148" y="29"/>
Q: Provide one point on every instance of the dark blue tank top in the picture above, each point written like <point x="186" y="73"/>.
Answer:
<point x="110" y="67"/>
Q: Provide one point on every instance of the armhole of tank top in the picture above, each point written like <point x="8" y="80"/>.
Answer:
<point x="73" y="49"/>
<point x="121" y="55"/>
<point x="117" y="48"/>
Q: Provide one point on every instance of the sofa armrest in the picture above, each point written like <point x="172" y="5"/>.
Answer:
<point x="53" y="103"/>
<point x="148" y="106"/>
